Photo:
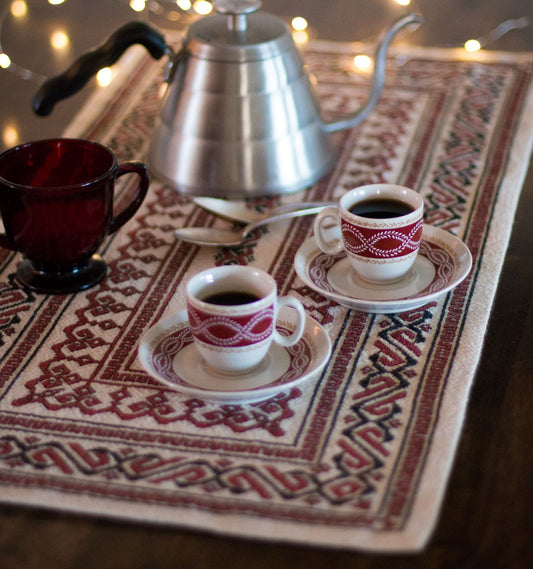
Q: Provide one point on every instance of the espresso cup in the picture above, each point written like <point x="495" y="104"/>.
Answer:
<point x="378" y="226"/>
<point x="232" y="313"/>
<point x="56" y="201"/>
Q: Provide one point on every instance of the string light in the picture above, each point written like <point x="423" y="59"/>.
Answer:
<point x="59" y="40"/>
<point x="202" y="7"/>
<point x="5" y="61"/>
<point x="299" y="24"/>
<point x="104" y="76"/>
<point x="10" y="135"/>
<point x="19" y="8"/>
<point x="300" y="37"/>
<point x="363" y="63"/>
<point x="137" y="5"/>
<point x="472" y="45"/>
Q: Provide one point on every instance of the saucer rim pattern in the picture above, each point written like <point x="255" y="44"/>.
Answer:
<point x="433" y="237"/>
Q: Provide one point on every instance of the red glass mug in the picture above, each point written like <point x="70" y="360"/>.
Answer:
<point x="56" y="201"/>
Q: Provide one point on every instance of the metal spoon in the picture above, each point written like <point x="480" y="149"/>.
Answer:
<point x="238" y="211"/>
<point x="214" y="237"/>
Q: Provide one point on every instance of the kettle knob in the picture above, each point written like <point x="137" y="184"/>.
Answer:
<point x="237" y="11"/>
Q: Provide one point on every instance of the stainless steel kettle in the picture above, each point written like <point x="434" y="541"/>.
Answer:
<point x="239" y="116"/>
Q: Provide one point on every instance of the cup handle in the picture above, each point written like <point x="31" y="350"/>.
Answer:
<point x="129" y="211"/>
<point x="6" y="242"/>
<point x="291" y="339"/>
<point x="329" y="239"/>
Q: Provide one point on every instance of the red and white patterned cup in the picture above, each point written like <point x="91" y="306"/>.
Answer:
<point x="232" y="313"/>
<point x="382" y="242"/>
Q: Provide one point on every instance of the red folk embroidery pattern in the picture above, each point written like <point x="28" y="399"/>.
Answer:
<point x="77" y="410"/>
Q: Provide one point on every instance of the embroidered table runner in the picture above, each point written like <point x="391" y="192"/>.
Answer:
<point x="357" y="457"/>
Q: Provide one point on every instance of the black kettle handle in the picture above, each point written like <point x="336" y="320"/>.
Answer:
<point x="78" y="74"/>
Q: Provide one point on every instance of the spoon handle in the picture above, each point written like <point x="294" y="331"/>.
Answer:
<point x="281" y="216"/>
<point x="300" y="206"/>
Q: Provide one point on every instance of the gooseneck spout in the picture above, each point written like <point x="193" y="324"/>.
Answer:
<point x="378" y="79"/>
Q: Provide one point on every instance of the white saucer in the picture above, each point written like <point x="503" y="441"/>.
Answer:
<point x="168" y="353"/>
<point x="442" y="263"/>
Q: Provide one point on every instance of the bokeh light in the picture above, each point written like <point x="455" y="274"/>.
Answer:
<point x="472" y="45"/>
<point x="104" y="76"/>
<point x="300" y="36"/>
<point x="202" y="7"/>
<point x="5" y="61"/>
<point x="137" y="5"/>
<point x="10" y="135"/>
<point x="363" y="63"/>
<point x="59" y="40"/>
<point x="298" y="23"/>
<point x="19" y="8"/>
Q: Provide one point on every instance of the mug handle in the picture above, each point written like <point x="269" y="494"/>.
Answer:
<point x="291" y="339"/>
<point x="333" y="245"/>
<point x="129" y="211"/>
<point x="6" y="242"/>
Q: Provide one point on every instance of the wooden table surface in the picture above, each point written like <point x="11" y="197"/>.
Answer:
<point x="485" y="518"/>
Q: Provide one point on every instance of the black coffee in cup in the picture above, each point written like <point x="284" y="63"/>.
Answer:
<point x="381" y="208"/>
<point x="231" y="298"/>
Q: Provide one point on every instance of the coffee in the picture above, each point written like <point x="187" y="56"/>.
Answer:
<point x="231" y="298"/>
<point x="381" y="208"/>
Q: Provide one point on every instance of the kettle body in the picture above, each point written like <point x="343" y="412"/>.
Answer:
<point x="240" y="123"/>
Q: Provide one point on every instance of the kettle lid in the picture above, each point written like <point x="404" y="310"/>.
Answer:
<point x="238" y="33"/>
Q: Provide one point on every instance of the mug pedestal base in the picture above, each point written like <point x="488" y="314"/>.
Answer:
<point x="64" y="281"/>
